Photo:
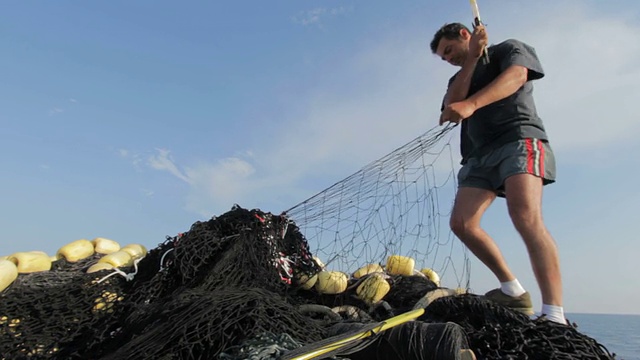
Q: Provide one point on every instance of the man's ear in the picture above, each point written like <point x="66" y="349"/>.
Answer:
<point x="465" y="34"/>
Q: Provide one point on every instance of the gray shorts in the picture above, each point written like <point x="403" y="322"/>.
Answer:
<point x="527" y="156"/>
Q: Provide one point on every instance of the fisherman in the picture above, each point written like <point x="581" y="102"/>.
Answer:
<point x="505" y="152"/>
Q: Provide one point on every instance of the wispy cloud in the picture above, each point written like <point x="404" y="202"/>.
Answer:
<point x="213" y="186"/>
<point x="163" y="161"/>
<point x="58" y="109"/>
<point x="315" y="16"/>
<point x="135" y="158"/>
<point x="55" y="110"/>
<point x="147" y="192"/>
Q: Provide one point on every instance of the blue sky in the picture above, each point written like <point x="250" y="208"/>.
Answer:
<point x="133" y="121"/>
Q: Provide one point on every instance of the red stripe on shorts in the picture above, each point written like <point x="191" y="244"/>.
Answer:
<point x="530" y="156"/>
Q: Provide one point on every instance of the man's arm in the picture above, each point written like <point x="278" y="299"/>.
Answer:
<point x="459" y="88"/>
<point x="503" y="86"/>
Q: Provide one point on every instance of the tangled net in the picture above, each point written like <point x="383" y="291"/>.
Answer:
<point x="231" y="287"/>
<point x="496" y="332"/>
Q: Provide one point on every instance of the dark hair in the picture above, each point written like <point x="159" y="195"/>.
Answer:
<point x="447" y="31"/>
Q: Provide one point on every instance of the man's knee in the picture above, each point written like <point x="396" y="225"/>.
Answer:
<point x="463" y="228"/>
<point x="526" y="218"/>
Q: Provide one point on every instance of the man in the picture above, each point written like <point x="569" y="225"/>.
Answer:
<point x="505" y="152"/>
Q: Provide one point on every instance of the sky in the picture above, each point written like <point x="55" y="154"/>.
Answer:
<point x="132" y="121"/>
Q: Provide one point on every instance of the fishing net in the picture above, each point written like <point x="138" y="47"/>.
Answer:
<point x="46" y="314"/>
<point x="249" y="284"/>
<point x="224" y="280"/>
<point x="497" y="332"/>
<point x="399" y="204"/>
<point x="199" y="324"/>
<point x="408" y="341"/>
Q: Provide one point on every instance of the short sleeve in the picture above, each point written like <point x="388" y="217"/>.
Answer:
<point x="465" y="142"/>
<point x="514" y="52"/>
<point x="445" y="93"/>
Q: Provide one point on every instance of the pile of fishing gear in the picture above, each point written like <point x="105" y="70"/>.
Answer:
<point x="236" y="287"/>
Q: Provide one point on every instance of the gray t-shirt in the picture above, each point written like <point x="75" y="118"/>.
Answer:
<point x="509" y="119"/>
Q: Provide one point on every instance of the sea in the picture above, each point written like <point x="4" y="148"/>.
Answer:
<point x="620" y="334"/>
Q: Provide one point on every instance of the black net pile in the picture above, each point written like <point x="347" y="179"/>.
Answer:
<point x="497" y="332"/>
<point x="49" y="314"/>
<point x="199" y="324"/>
<point x="223" y="281"/>
<point x="408" y="341"/>
<point x="195" y="295"/>
<point x="407" y="290"/>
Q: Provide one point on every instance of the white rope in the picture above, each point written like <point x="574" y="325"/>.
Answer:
<point x="127" y="277"/>
<point x="162" y="259"/>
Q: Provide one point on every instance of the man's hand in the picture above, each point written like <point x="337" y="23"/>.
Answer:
<point x="478" y="41"/>
<point x="457" y="111"/>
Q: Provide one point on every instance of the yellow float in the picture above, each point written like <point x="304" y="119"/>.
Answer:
<point x="431" y="275"/>
<point x="306" y="282"/>
<point x="8" y="274"/>
<point x="76" y="251"/>
<point x="32" y="261"/>
<point x="373" y="288"/>
<point x="400" y="265"/>
<point x="366" y="270"/>
<point x="99" y="267"/>
<point x="104" y="246"/>
<point x="331" y="282"/>
<point x="117" y="259"/>
<point x="136" y="251"/>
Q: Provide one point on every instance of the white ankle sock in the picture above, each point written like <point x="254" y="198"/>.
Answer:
<point x="554" y="313"/>
<point x="512" y="288"/>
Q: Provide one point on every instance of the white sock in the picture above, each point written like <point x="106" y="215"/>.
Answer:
<point x="554" y="313"/>
<point x="512" y="288"/>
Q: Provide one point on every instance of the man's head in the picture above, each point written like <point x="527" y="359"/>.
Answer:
<point x="451" y="43"/>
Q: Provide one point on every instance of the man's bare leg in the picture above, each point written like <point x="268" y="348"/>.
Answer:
<point x="524" y="200"/>
<point x="470" y="205"/>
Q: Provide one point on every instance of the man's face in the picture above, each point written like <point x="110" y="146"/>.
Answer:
<point x="454" y="51"/>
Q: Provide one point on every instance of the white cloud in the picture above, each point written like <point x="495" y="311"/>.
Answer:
<point x="135" y="158"/>
<point x="55" y="111"/>
<point x="213" y="187"/>
<point x="73" y="100"/>
<point x="315" y="16"/>
<point x="216" y="187"/>
<point x="147" y="192"/>
<point x="163" y="161"/>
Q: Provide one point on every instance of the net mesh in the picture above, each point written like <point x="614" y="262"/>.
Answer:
<point x="496" y="332"/>
<point x="399" y="204"/>
<point x="250" y="284"/>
